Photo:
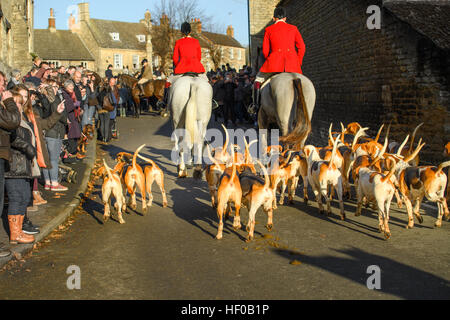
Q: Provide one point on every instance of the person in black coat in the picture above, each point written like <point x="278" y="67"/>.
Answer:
<point x="108" y="72"/>
<point x="229" y="86"/>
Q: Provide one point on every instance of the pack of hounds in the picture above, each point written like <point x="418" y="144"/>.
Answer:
<point x="378" y="173"/>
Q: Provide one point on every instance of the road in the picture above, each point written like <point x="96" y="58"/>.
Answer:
<point x="171" y="253"/>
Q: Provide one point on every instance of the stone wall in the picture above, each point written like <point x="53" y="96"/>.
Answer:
<point x="371" y="76"/>
<point x="16" y="45"/>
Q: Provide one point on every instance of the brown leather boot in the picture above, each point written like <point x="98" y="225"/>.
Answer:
<point x="16" y="235"/>
<point x="37" y="198"/>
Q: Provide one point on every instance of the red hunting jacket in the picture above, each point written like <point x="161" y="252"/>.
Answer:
<point x="280" y="41"/>
<point x="187" y="56"/>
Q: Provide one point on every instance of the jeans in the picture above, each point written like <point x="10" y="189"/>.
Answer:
<point x="228" y="112"/>
<point x="239" y="109"/>
<point x="88" y="116"/>
<point x="19" y="195"/>
<point x="2" y="184"/>
<point x="54" y="150"/>
<point x="105" y="127"/>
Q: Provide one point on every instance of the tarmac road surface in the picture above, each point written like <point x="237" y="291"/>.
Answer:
<point x="171" y="253"/>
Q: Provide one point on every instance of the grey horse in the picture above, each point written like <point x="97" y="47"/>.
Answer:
<point x="190" y="105"/>
<point x="280" y="106"/>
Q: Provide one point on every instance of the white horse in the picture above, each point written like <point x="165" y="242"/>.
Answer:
<point x="288" y="105"/>
<point x="190" y="105"/>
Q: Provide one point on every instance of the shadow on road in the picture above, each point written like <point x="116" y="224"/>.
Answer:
<point x="187" y="206"/>
<point x="397" y="278"/>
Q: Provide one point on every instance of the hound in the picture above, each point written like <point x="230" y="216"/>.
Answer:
<point x="298" y="161"/>
<point x="112" y="186"/>
<point x="377" y="187"/>
<point x="323" y="173"/>
<point x="153" y="173"/>
<point x="402" y="163"/>
<point x="447" y="154"/>
<point x="88" y="134"/>
<point x="256" y="193"/>
<point x="134" y="176"/>
<point x="213" y="173"/>
<point x="282" y="171"/>
<point x="229" y="191"/>
<point x="424" y="181"/>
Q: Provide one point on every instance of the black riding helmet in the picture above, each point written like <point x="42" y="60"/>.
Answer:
<point x="186" y="28"/>
<point x="279" y="13"/>
<point x="144" y="61"/>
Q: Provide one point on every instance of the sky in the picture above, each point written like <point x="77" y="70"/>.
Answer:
<point x="225" y="12"/>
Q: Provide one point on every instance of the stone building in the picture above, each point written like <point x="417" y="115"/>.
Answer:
<point x="62" y="47"/>
<point x="231" y="51"/>
<point x="16" y="35"/>
<point x="117" y="43"/>
<point x="398" y="73"/>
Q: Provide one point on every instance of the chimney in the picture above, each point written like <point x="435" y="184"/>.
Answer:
<point x="51" y="22"/>
<point x="230" y="31"/>
<point x="164" y="19"/>
<point x="83" y="11"/>
<point x="72" y="23"/>
<point x="198" y="26"/>
<point x="148" y="16"/>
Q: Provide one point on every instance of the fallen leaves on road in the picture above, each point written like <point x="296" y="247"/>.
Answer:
<point x="295" y="262"/>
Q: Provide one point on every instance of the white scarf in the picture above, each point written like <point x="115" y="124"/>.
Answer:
<point x="35" y="171"/>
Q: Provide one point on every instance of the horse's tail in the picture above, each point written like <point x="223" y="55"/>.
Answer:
<point x="191" y="112"/>
<point x="303" y="126"/>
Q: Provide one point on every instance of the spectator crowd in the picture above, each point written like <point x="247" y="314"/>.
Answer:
<point x="44" y="115"/>
<point x="233" y="93"/>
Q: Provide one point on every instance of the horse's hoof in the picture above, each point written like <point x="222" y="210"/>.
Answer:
<point x="420" y="219"/>
<point x="269" y="227"/>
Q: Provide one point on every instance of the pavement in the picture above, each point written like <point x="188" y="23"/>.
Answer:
<point x="60" y="205"/>
<point x="171" y="254"/>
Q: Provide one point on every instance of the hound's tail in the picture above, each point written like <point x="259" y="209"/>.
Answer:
<point x="136" y="154"/>
<point x="108" y="169"/>
<point x="443" y="165"/>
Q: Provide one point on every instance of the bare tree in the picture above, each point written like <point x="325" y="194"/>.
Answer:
<point x="171" y="14"/>
<point x="215" y="53"/>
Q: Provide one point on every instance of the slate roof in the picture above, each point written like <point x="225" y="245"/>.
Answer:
<point x="60" y="45"/>
<point x="222" y="39"/>
<point x="428" y="17"/>
<point x="128" y="31"/>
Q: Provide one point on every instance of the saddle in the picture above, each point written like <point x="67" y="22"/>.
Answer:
<point x="190" y="74"/>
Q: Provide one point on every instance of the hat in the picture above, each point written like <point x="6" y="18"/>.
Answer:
<point x="185" y="28"/>
<point x="279" y="13"/>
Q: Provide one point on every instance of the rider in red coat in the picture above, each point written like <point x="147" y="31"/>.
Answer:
<point x="283" y="48"/>
<point x="187" y="54"/>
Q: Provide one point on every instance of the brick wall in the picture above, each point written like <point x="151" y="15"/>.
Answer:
<point x="372" y="76"/>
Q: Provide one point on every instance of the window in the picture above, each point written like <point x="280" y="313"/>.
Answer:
<point x="239" y="54"/>
<point x="84" y="64"/>
<point x="118" y="61"/>
<point x="55" y="62"/>
<point x="141" y="37"/>
<point x="135" y="62"/>
<point x="115" y="36"/>
<point x="231" y="53"/>
<point x="156" y="61"/>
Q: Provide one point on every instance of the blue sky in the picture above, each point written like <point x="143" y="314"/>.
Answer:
<point x="133" y="11"/>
